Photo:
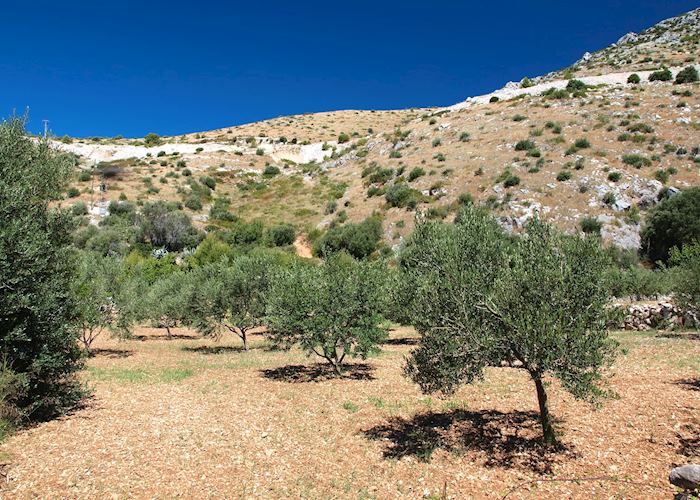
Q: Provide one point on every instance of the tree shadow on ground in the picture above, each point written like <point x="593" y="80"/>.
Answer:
<point x="217" y="349"/>
<point x="318" y="372"/>
<point x="689" y="441"/>
<point x="111" y="353"/>
<point x="508" y="439"/>
<point x="682" y="335"/>
<point x="692" y="384"/>
<point x="402" y="341"/>
<point x="164" y="336"/>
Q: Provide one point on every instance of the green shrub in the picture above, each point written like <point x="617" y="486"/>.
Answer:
<point x="609" y="198"/>
<point x="193" y="202"/>
<point x="687" y="289"/>
<point x="73" y="192"/>
<point x="79" y="208"/>
<point x="687" y="75"/>
<point x="343" y="138"/>
<point x="415" y="174"/>
<point x="84" y="176"/>
<point x="209" y="182"/>
<point x="281" y="235"/>
<point x="564" y="175"/>
<point x="591" y="225"/>
<point x="634" y="79"/>
<point x="512" y="180"/>
<point x="614" y="176"/>
<point x="220" y="210"/>
<point x="152" y="140"/>
<point x="359" y="240"/>
<point x="271" y="171"/>
<point x="163" y="225"/>
<point x="637" y="161"/>
<point x="524" y="145"/>
<point x="662" y="75"/>
<point x="494" y="99"/>
<point x="401" y="195"/>
<point x="661" y="176"/>
<point x="675" y="222"/>
<point x="582" y="143"/>
<point x="575" y="85"/>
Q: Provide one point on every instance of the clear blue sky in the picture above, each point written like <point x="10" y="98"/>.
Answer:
<point x="129" y="68"/>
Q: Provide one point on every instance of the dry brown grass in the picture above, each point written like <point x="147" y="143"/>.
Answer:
<point x="196" y="419"/>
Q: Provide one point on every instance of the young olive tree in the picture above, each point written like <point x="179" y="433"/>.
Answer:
<point x="232" y="296"/>
<point x="106" y="298"/>
<point x="167" y="302"/>
<point x="534" y="302"/>
<point x="332" y="310"/>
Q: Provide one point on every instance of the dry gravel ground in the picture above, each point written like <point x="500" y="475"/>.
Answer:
<point x="196" y="419"/>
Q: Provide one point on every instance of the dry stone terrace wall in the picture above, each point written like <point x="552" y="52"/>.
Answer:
<point x="660" y="314"/>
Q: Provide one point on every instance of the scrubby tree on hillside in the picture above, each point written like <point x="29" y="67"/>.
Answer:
<point x="359" y="240"/>
<point x="162" y="225"/>
<point x="38" y="334"/>
<point x="535" y="302"/>
<point x="332" y="310"/>
<point x="672" y="223"/>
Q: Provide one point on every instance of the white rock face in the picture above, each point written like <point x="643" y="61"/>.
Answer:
<point x="110" y="152"/>
<point x="630" y="37"/>
<point x="620" y="234"/>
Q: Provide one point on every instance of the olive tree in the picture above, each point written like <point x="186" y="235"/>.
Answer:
<point x="167" y="302"/>
<point x="106" y="298"/>
<point x="534" y="302"/>
<point x="687" y="287"/>
<point x="38" y="332"/>
<point x="232" y="296"/>
<point x="332" y="310"/>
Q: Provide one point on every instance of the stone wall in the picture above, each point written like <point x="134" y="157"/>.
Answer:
<point x="661" y="315"/>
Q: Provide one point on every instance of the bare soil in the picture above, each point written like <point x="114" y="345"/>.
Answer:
<point x="194" y="418"/>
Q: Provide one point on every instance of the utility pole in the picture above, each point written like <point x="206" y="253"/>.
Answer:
<point x="46" y="128"/>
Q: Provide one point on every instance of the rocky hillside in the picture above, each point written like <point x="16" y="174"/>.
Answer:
<point x="582" y="147"/>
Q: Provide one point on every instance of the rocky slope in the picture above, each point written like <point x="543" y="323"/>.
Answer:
<point x="602" y="149"/>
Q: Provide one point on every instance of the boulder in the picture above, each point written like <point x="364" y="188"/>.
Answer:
<point x="686" y="477"/>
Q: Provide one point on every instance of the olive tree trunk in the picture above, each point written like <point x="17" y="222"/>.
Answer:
<point x="545" y="419"/>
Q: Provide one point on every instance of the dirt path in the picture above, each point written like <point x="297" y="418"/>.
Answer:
<point x="302" y="247"/>
<point x="509" y="92"/>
